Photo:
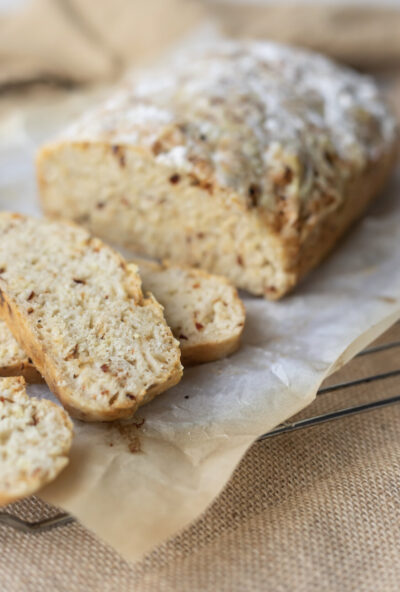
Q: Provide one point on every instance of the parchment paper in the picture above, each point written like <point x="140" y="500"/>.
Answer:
<point x="137" y="484"/>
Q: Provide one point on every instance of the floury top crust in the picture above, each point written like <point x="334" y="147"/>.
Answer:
<point x="284" y="128"/>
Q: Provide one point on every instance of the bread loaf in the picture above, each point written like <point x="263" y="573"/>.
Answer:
<point x="204" y="311"/>
<point x="35" y="438"/>
<point x="78" y="312"/>
<point x="247" y="159"/>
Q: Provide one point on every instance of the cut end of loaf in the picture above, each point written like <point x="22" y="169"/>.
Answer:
<point x="35" y="438"/>
<point x="187" y="224"/>
<point x="79" y="314"/>
<point x="150" y="209"/>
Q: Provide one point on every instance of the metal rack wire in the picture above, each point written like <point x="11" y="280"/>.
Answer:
<point x="346" y="411"/>
<point x="63" y="519"/>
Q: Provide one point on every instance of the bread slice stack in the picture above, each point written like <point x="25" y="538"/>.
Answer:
<point x="35" y="438"/>
<point x="78" y="312"/>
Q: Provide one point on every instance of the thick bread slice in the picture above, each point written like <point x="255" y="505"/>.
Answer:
<point x="35" y="438"/>
<point x="13" y="360"/>
<point x="204" y="311"/>
<point x="247" y="159"/>
<point x="79" y="314"/>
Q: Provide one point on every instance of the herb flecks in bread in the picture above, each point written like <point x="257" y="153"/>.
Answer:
<point x="204" y="311"/>
<point x="248" y="159"/>
<point x="35" y="438"/>
<point x="78" y="312"/>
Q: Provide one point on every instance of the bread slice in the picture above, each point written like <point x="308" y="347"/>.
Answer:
<point x="13" y="360"/>
<point x="35" y="438"/>
<point x="247" y="159"/>
<point x="79" y="313"/>
<point x="204" y="311"/>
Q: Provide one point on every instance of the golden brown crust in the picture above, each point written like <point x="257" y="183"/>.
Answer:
<point x="320" y="238"/>
<point x="209" y="352"/>
<point x="249" y="196"/>
<point x="24" y="335"/>
<point x="25" y="369"/>
<point x="359" y="194"/>
<point x="18" y="325"/>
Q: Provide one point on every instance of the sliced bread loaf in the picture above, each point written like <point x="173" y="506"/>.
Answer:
<point x="204" y="311"/>
<point x="13" y="359"/>
<point x="35" y="438"/>
<point x="79" y="313"/>
<point x="247" y="159"/>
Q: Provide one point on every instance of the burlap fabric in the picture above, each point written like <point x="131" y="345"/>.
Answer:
<point x="79" y="41"/>
<point x="313" y="510"/>
<point x="318" y="509"/>
<point x="361" y="34"/>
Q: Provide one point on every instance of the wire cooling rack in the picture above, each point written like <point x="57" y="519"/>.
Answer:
<point x="62" y="519"/>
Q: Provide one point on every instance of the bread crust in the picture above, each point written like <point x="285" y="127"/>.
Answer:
<point x="191" y="354"/>
<point x="360" y="192"/>
<point x="25" y="369"/>
<point x="210" y="351"/>
<point x="261" y="195"/>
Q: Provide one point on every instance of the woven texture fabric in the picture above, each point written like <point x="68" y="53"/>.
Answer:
<point x="318" y="509"/>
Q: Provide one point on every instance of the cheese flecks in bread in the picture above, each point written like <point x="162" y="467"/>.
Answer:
<point x="204" y="311"/>
<point x="13" y="359"/>
<point x="35" y="438"/>
<point x="79" y="314"/>
<point x="248" y="159"/>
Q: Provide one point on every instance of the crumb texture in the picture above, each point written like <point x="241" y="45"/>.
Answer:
<point x="11" y="354"/>
<point x="82" y="318"/>
<point x="13" y="359"/>
<point x="35" y="438"/>
<point x="204" y="311"/>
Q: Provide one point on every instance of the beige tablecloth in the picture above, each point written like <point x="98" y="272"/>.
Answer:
<point x="318" y="509"/>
